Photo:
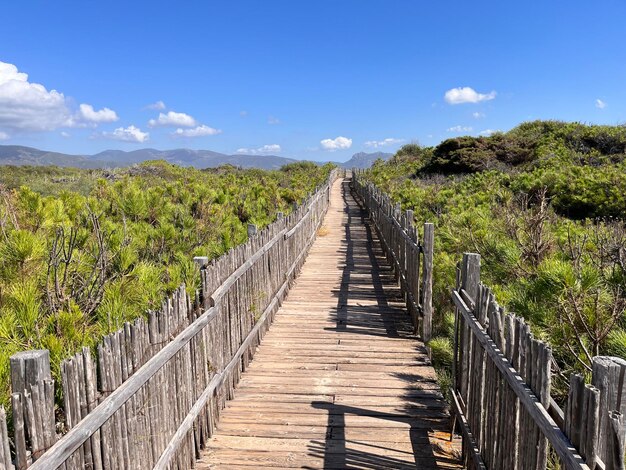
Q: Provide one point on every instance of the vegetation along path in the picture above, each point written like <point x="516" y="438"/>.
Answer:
<point x="339" y="381"/>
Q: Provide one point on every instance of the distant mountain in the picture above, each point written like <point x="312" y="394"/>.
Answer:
<point x="19" y="155"/>
<point x="365" y="160"/>
<point x="195" y="158"/>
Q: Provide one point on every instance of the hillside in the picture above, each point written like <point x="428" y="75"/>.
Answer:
<point x="365" y="160"/>
<point x="19" y="155"/>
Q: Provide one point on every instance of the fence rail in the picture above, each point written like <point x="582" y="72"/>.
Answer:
<point x="412" y="260"/>
<point x="501" y="392"/>
<point x="152" y="395"/>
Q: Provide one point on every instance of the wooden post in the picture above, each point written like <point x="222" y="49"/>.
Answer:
<point x="574" y="419"/>
<point x="470" y="274"/>
<point x="470" y="279"/>
<point x="409" y="217"/>
<point x="455" y="360"/>
<point x="592" y="418"/>
<point x="19" y="432"/>
<point x="251" y="230"/>
<point x="28" y="369"/>
<point x="5" y="450"/>
<point x="428" y="245"/>
<point x="201" y="261"/>
<point x="615" y="444"/>
<point x="608" y="377"/>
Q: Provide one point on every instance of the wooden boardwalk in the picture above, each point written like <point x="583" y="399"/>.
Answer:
<point x="339" y="380"/>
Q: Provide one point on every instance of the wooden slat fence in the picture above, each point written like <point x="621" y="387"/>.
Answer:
<point x="152" y="395"/>
<point x="501" y="392"/>
<point x="411" y="258"/>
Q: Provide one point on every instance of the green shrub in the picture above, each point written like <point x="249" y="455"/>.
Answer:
<point x="138" y="227"/>
<point x="482" y="194"/>
<point x="441" y="351"/>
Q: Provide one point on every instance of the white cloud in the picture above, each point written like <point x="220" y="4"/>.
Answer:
<point x="264" y="150"/>
<point x="273" y="120"/>
<point x="27" y="106"/>
<point x="172" y="119"/>
<point x="338" y="143"/>
<point x="271" y="148"/>
<point x="460" y="129"/>
<point x="199" y="131"/>
<point x="127" y="134"/>
<point x="158" y="106"/>
<point x="383" y="143"/>
<point x="467" y="95"/>
<point x="488" y="132"/>
<point x="243" y="113"/>
<point x="3" y="135"/>
<point x="65" y="134"/>
<point x="88" y="114"/>
<point x="600" y="104"/>
<point x="478" y="115"/>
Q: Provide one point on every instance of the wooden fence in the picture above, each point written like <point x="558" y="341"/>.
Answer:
<point x="411" y="258"/>
<point x="152" y="394"/>
<point x="501" y="392"/>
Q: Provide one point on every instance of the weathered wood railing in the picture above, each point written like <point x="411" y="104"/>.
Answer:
<point x="152" y="395"/>
<point x="501" y="392"/>
<point x="411" y="258"/>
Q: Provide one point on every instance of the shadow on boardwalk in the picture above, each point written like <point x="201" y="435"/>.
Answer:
<point x="365" y="261"/>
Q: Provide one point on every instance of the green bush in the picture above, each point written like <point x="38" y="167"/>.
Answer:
<point x="76" y="264"/>
<point x="545" y="205"/>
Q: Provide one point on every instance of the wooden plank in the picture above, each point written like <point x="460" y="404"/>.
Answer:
<point x="408" y="374"/>
<point x="315" y="457"/>
<point x="331" y="446"/>
<point x="296" y="431"/>
<point x="407" y="423"/>
<point x="365" y="383"/>
<point x="423" y="407"/>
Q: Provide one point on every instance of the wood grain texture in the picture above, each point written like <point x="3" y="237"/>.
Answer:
<point x="340" y="380"/>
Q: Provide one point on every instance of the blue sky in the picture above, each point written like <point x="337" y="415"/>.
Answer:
<point x="317" y="80"/>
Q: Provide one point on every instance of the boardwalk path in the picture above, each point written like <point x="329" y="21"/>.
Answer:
<point x="339" y="381"/>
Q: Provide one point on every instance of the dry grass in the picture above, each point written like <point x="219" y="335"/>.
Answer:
<point x="323" y="231"/>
